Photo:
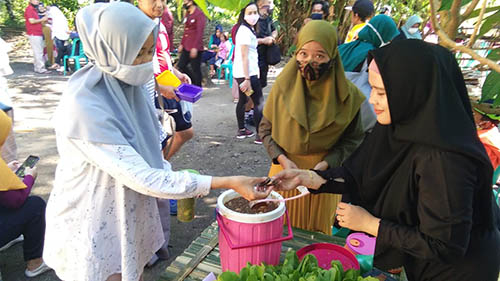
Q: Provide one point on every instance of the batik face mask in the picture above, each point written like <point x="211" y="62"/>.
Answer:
<point x="312" y="70"/>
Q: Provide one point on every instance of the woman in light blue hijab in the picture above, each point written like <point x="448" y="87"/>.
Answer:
<point x="411" y="29"/>
<point x="102" y="217"/>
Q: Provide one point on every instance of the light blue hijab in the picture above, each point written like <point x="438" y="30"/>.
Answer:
<point x="96" y="106"/>
<point x="409" y="23"/>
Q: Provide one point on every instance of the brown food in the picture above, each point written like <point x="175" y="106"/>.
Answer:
<point x="240" y="205"/>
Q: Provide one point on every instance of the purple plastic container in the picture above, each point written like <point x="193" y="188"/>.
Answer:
<point x="188" y="92"/>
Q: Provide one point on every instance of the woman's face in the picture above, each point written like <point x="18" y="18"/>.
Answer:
<point x="251" y="11"/>
<point x="146" y="53"/>
<point x="416" y="25"/>
<point x="312" y="52"/>
<point x="378" y="98"/>
<point x="217" y="33"/>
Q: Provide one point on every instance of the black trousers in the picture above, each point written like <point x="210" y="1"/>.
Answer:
<point x="258" y="102"/>
<point x="29" y="220"/>
<point x="263" y="66"/>
<point x="195" y="66"/>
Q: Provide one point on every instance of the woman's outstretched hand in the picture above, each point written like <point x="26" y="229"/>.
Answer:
<point x="292" y="178"/>
<point x="245" y="186"/>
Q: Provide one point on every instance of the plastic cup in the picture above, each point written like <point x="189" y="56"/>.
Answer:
<point x="185" y="209"/>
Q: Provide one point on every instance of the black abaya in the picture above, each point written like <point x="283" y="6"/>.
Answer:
<point x="426" y="175"/>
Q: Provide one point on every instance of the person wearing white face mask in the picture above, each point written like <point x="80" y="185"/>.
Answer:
<point x="246" y="70"/>
<point x="410" y="30"/>
<point x="102" y="217"/>
<point x="378" y="32"/>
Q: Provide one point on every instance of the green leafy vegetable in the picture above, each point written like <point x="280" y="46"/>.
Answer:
<point x="294" y="270"/>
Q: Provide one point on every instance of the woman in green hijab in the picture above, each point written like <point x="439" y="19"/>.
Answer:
<point x="378" y="32"/>
<point x="311" y="120"/>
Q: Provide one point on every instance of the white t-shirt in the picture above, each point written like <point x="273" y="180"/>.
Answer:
<point x="245" y="36"/>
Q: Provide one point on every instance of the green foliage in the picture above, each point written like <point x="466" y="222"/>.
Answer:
<point x="293" y="270"/>
<point x="491" y="88"/>
<point x="230" y="5"/>
<point x="476" y="12"/>
<point x="446" y="4"/>
<point x="494" y="55"/>
<point x="489" y="22"/>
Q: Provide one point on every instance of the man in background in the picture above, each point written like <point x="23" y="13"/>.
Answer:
<point x="266" y="36"/>
<point x="35" y="35"/>
<point x="192" y="42"/>
<point x="362" y="10"/>
<point x="320" y="11"/>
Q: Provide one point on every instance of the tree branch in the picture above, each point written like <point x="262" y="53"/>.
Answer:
<point x="455" y="7"/>
<point x="478" y="24"/>
<point x="469" y="9"/>
<point x="447" y="42"/>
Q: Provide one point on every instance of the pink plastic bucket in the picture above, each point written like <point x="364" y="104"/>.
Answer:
<point x="253" y="238"/>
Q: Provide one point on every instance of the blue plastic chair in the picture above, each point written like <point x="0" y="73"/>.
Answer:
<point x="74" y="56"/>
<point x="227" y="67"/>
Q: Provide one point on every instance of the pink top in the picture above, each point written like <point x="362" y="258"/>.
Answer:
<point x="224" y="48"/>
<point x="162" y="60"/>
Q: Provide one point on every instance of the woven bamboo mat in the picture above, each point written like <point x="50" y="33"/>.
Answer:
<point x="202" y="256"/>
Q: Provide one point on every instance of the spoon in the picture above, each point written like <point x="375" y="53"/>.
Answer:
<point x="302" y="189"/>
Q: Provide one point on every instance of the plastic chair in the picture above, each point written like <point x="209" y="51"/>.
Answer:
<point x="227" y="67"/>
<point x="74" y="56"/>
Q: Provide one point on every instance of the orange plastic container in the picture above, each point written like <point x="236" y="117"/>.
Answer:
<point x="167" y="78"/>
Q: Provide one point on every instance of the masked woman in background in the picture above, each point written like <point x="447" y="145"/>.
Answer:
<point x="411" y="29"/>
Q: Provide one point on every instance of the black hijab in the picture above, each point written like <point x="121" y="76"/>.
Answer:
<point x="429" y="105"/>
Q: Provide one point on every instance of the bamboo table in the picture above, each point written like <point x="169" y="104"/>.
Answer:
<point x="202" y="256"/>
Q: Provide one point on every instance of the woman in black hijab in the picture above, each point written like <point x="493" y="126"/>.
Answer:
<point x="421" y="181"/>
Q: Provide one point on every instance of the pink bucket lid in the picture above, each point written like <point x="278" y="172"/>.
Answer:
<point x="326" y="253"/>
<point x="363" y="244"/>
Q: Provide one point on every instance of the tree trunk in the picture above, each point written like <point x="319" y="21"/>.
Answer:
<point x="344" y="19"/>
<point x="8" y="5"/>
<point x="291" y="18"/>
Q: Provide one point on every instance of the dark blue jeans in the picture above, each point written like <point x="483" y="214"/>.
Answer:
<point x="62" y="50"/>
<point x="29" y="220"/>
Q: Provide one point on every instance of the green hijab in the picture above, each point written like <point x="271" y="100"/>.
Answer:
<point x="310" y="116"/>
<point x="354" y="53"/>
